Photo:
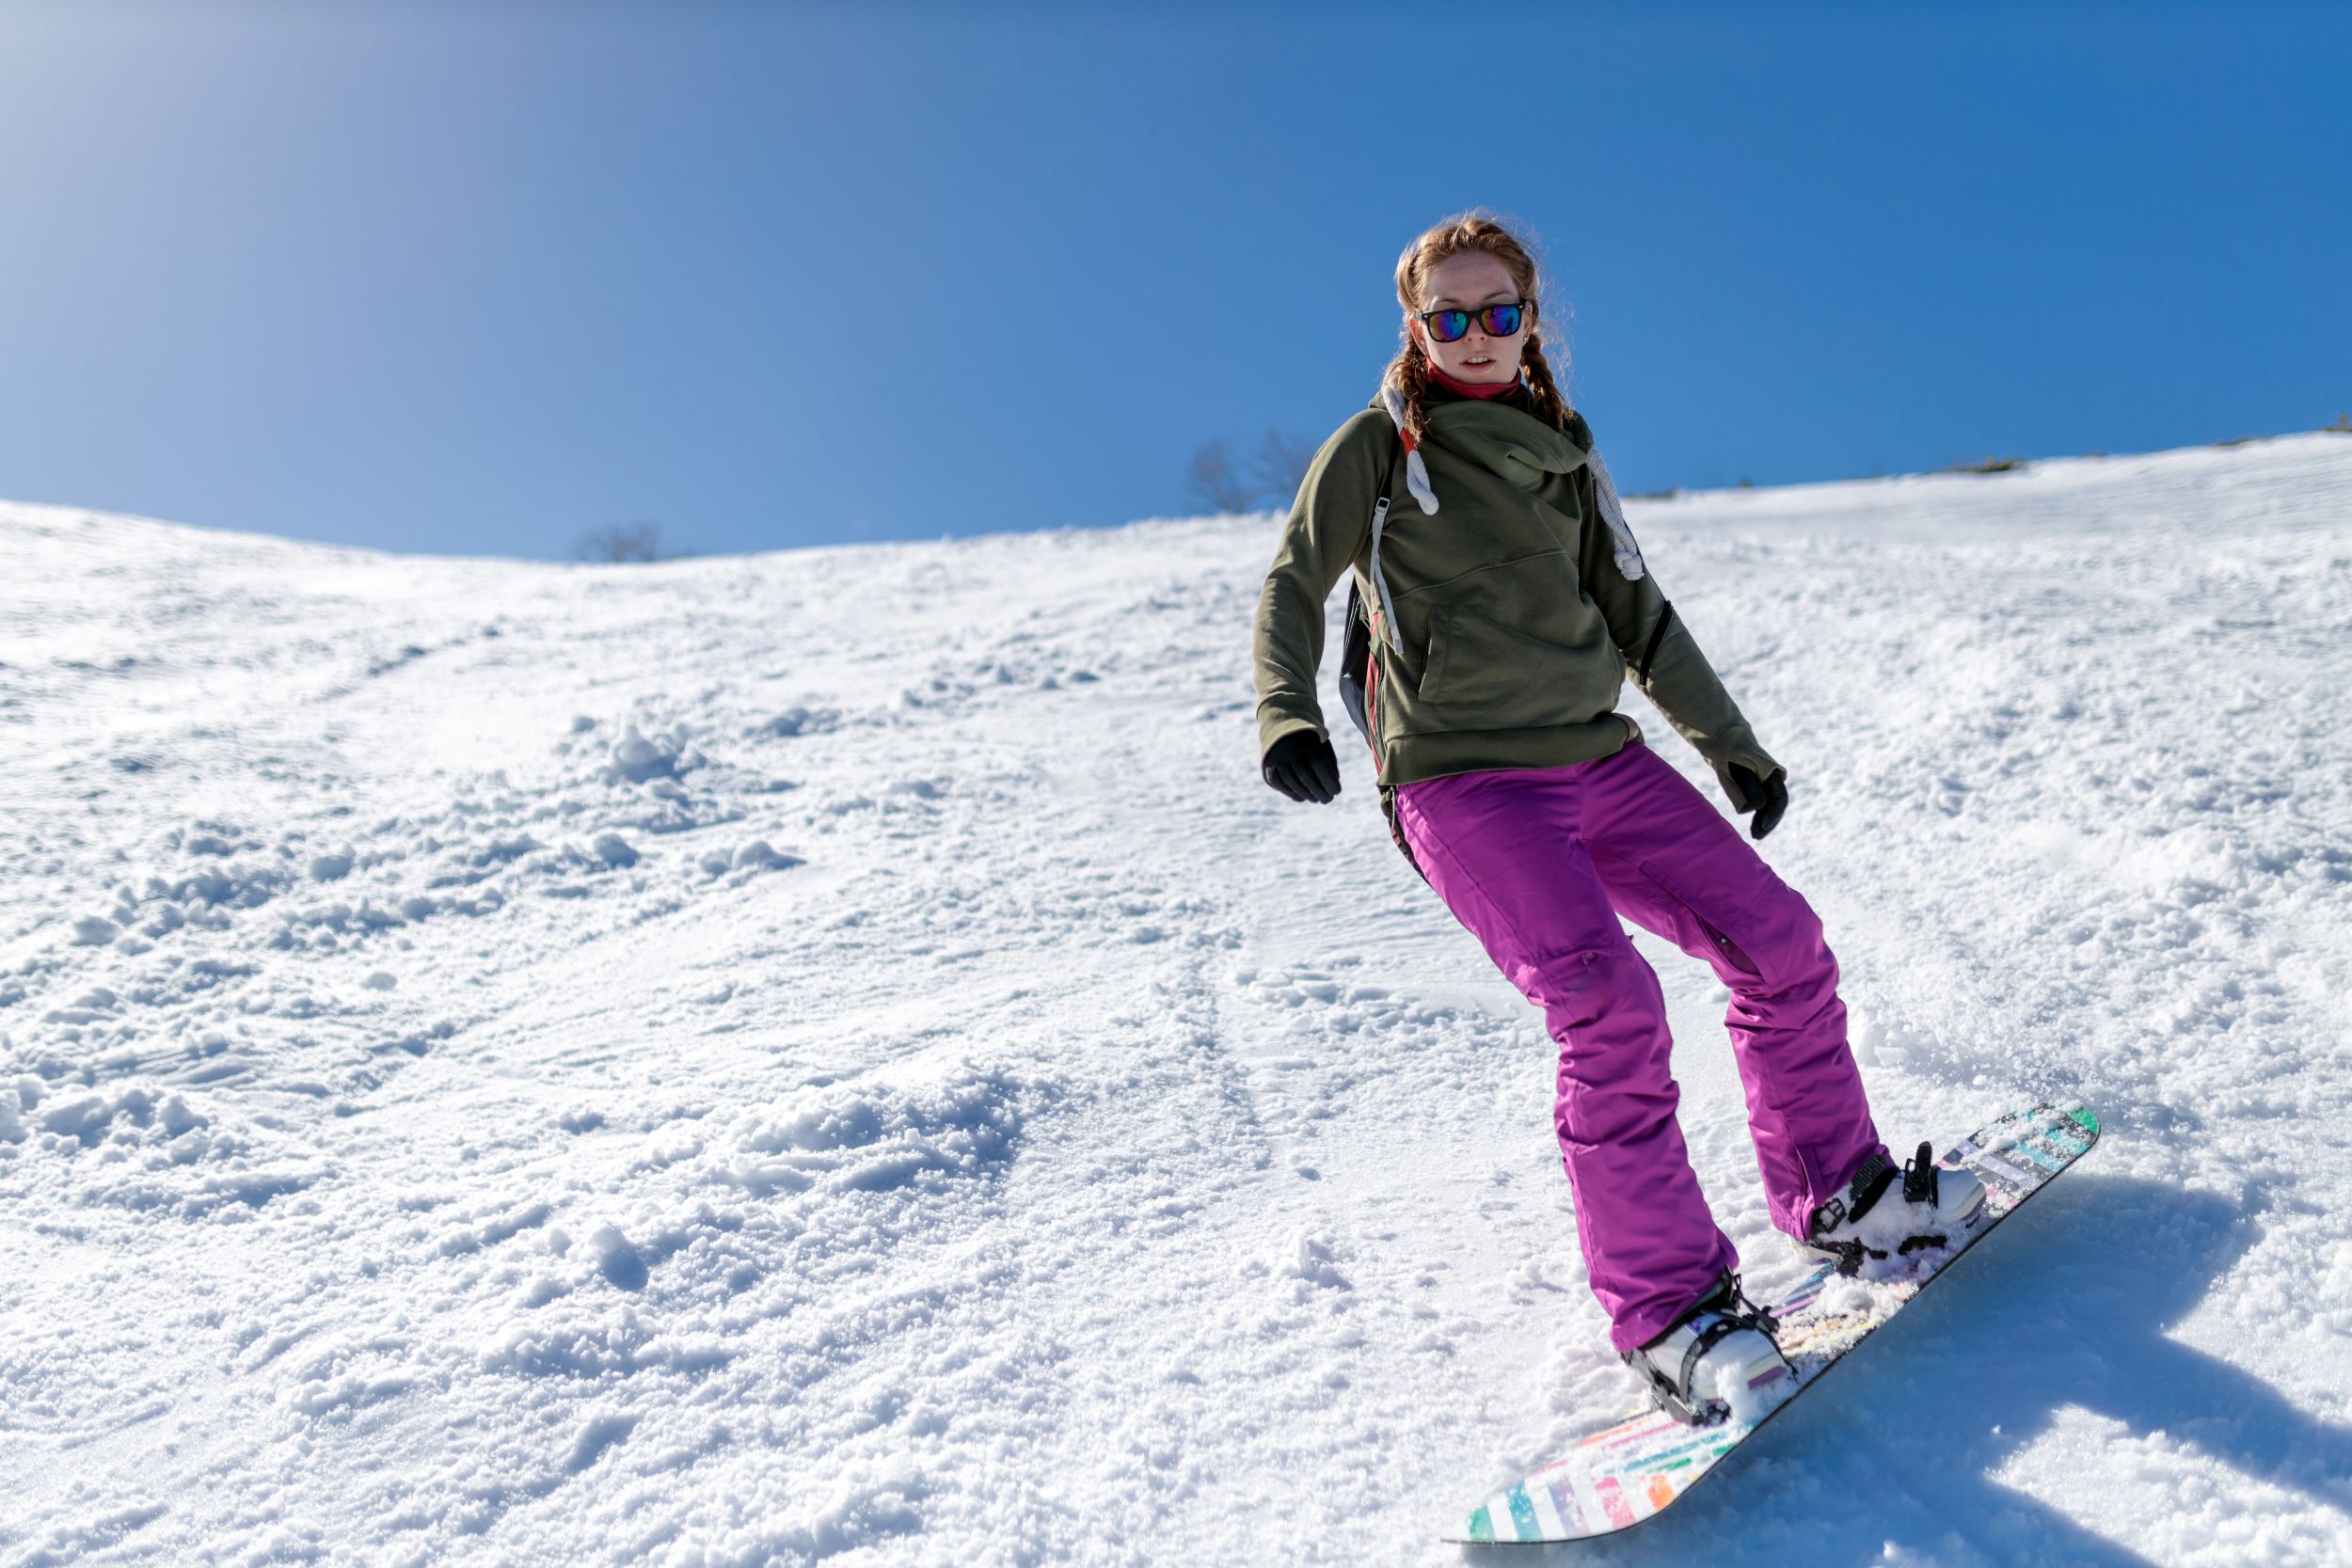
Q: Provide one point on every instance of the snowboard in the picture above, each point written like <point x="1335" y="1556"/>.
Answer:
<point x="1614" y="1479"/>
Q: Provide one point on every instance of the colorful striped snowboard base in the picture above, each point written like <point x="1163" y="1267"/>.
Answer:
<point x="1618" y="1478"/>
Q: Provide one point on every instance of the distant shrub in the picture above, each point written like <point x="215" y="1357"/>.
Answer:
<point x="1281" y="466"/>
<point x="1214" y="483"/>
<point x="2341" y="427"/>
<point x="624" y="541"/>
<point x="1985" y="466"/>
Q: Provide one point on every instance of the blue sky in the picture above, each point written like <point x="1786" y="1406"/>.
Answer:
<point x="477" y="279"/>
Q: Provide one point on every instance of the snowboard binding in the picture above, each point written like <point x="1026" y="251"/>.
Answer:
<point x="1704" y="1364"/>
<point x="1857" y="1230"/>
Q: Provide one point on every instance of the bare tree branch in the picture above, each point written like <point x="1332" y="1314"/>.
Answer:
<point x="622" y="542"/>
<point x="1213" y="482"/>
<point x="1281" y="463"/>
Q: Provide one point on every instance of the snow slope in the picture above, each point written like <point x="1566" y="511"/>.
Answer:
<point x="835" y="1056"/>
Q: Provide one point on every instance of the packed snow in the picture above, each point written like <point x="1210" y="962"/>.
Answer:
<point x="836" y="1055"/>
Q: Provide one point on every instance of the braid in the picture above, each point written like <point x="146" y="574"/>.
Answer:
<point x="1408" y="373"/>
<point x="1551" y="406"/>
<point x="1412" y="379"/>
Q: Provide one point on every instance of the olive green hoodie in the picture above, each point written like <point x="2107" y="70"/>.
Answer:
<point x="1514" y="611"/>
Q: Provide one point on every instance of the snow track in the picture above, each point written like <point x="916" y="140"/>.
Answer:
<point x="834" y="1055"/>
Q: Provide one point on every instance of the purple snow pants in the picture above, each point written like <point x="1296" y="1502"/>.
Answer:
<point x="1538" y="862"/>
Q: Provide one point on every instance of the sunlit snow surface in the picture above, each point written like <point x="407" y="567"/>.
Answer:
<point x="836" y="1054"/>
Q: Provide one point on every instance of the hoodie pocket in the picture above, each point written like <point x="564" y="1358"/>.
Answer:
<point x="1481" y="674"/>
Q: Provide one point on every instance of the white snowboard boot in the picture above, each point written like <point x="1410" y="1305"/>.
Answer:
<point x="1719" y="1360"/>
<point x="1872" y="1229"/>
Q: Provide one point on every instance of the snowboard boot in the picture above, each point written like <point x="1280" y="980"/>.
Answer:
<point x="1872" y="1228"/>
<point x="1717" y="1360"/>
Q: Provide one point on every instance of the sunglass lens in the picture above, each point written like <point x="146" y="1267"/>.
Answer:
<point x="1446" y="325"/>
<point x="1502" y="320"/>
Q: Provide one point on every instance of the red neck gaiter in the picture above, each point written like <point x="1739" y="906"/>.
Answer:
<point x="1472" y="388"/>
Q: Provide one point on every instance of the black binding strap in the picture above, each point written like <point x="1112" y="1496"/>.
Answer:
<point x="1920" y="1184"/>
<point x="1658" y="635"/>
<point x="1673" y="1394"/>
<point x="1701" y="1342"/>
<point x="1746" y="1314"/>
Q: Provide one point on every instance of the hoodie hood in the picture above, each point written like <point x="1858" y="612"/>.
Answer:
<point x="1497" y="436"/>
<point x="1516" y="445"/>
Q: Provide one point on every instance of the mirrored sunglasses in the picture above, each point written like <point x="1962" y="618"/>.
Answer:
<point x="1500" y="320"/>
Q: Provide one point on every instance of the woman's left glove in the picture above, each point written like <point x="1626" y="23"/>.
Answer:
<point x="1771" y="797"/>
<point x="1302" y="766"/>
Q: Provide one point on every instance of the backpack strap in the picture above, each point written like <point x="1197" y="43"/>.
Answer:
<point x="1363" y="628"/>
<point x="1355" y="683"/>
<point x="1384" y="622"/>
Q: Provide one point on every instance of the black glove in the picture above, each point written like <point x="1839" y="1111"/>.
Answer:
<point x="1302" y="766"/>
<point x="1768" y="797"/>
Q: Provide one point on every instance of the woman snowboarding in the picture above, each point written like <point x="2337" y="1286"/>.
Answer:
<point x="1507" y="603"/>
